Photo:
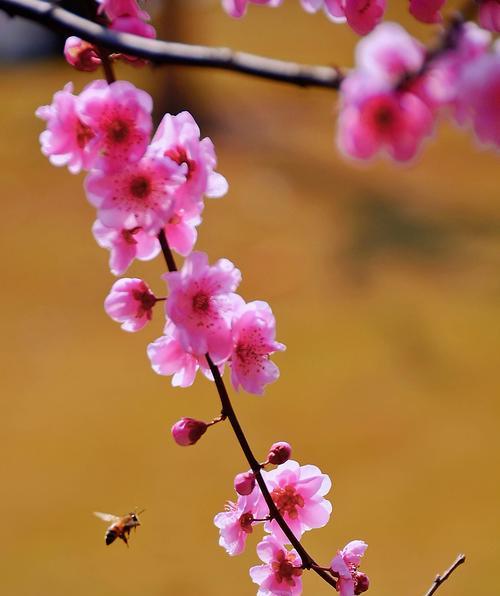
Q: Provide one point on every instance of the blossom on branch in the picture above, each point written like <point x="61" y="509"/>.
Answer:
<point x="345" y="565"/>
<point x="131" y="303"/>
<point x="427" y="11"/>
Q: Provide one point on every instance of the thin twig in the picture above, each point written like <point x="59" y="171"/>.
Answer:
<point x="163" y="52"/>
<point x="442" y="578"/>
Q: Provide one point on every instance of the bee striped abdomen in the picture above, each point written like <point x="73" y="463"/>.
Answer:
<point x="111" y="536"/>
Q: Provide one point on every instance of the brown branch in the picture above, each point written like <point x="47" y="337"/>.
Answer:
<point x="163" y="52"/>
<point x="442" y="578"/>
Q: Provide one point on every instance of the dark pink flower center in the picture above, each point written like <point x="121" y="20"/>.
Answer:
<point x="179" y="155"/>
<point x="140" y="187"/>
<point x="284" y="569"/>
<point x="287" y="500"/>
<point x="128" y="235"/>
<point x="83" y="134"/>
<point x="118" y="131"/>
<point x="146" y="302"/>
<point x="246" y="521"/>
<point x="201" y="302"/>
<point x="175" y="219"/>
<point x="381" y="114"/>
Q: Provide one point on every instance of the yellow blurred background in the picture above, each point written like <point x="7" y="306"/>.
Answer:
<point x="385" y="284"/>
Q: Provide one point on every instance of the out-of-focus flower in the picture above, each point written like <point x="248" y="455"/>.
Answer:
<point x="81" y="54"/>
<point x="238" y="8"/>
<point x="489" y="15"/>
<point x="427" y="11"/>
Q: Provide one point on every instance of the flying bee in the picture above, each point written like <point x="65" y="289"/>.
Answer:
<point x="120" y="526"/>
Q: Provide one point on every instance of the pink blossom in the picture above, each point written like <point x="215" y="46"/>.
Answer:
<point x="298" y="492"/>
<point x="427" y="11"/>
<point x="122" y="8"/>
<point x="125" y="246"/>
<point x="81" y="54"/>
<point x="178" y="137"/>
<point x="130" y="302"/>
<point x="238" y="8"/>
<point x="281" y="573"/>
<point x="188" y="431"/>
<point x="244" y="483"/>
<point x="489" y="15"/>
<point x="236" y="522"/>
<point x="168" y="357"/>
<point x="180" y="229"/>
<point x="479" y="98"/>
<point x="279" y="453"/>
<point x="200" y="303"/>
<point x="373" y="118"/>
<point x="345" y="567"/>
<point x="119" y="116"/>
<point x="66" y="139"/>
<point x="140" y="195"/>
<point x="364" y="15"/>
<point x="254" y="330"/>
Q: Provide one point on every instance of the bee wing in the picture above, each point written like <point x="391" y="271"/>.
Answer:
<point x="107" y="517"/>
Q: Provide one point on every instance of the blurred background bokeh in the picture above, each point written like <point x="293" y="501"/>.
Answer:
<point x="385" y="284"/>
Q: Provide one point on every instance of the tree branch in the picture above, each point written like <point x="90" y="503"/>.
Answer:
<point x="164" y="52"/>
<point x="442" y="578"/>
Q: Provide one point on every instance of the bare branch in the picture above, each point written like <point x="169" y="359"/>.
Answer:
<point x="164" y="52"/>
<point x="442" y="578"/>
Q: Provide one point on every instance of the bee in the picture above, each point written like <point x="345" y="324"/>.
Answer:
<point x="120" y="526"/>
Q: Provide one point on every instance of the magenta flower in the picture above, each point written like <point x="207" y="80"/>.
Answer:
<point x="168" y="357"/>
<point x="345" y="567"/>
<point x="66" y="139"/>
<point x="254" y="330"/>
<point x="200" y="303"/>
<point x="140" y="195"/>
<point x="489" y="15"/>
<point x="279" y="453"/>
<point x="122" y="8"/>
<point x="119" y="116"/>
<point x="130" y="302"/>
<point x="178" y="137"/>
<point x="125" y="246"/>
<point x="427" y="11"/>
<point x="238" y="8"/>
<point x="281" y="573"/>
<point x="236" y="522"/>
<point x="81" y="54"/>
<point x="181" y="229"/>
<point x="244" y="483"/>
<point x="188" y="431"/>
<point x="298" y="492"/>
<point x="364" y="15"/>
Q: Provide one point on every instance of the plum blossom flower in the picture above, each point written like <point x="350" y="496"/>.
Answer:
<point x="125" y="246"/>
<point x="81" y="54"/>
<point x="345" y="567"/>
<point x="238" y="8"/>
<point x="427" y="11"/>
<point x="253" y="330"/>
<point x="244" y="483"/>
<point x="489" y="15"/>
<point x="200" y="303"/>
<point x="119" y="116"/>
<point x="180" y="229"/>
<point x="279" y="453"/>
<point x="236" y="522"/>
<point x="188" y="431"/>
<point x="130" y="302"/>
<point x="66" y="139"/>
<point x="114" y="9"/>
<point x="178" y="137"/>
<point x="361" y="15"/>
<point x="140" y="195"/>
<point x="168" y="357"/>
<point x="281" y="572"/>
<point x="298" y="492"/>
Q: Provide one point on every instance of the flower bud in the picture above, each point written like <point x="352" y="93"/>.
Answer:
<point x="187" y="431"/>
<point x="362" y="582"/>
<point x="81" y="54"/>
<point x="244" y="483"/>
<point x="279" y="453"/>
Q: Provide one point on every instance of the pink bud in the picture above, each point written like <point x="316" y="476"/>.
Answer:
<point x="81" y="54"/>
<point x="362" y="582"/>
<point x="279" y="453"/>
<point x="187" y="431"/>
<point x="244" y="483"/>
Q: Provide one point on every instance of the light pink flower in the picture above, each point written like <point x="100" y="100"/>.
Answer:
<point x="373" y="118"/>
<point x="345" y="567"/>
<point x="122" y="8"/>
<point x="478" y="98"/>
<point x="427" y="11"/>
<point x="181" y="231"/>
<point x="130" y="302"/>
<point x="125" y="245"/>
<point x="236" y="522"/>
<point x="81" y="54"/>
<point x="364" y="15"/>
<point x="489" y="15"/>
<point x="200" y="303"/>
<point x="298" y="492"/>
<point x="281" y="573"/>
<point x="66" y="139"/>
<point x="119" y="115"/>
<point x="254" y="330"/>
<point x="238" y="8"/>
<point x="178" y="137"/>
<point x="140" y="195"/>
<point x="168" y="357"/>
